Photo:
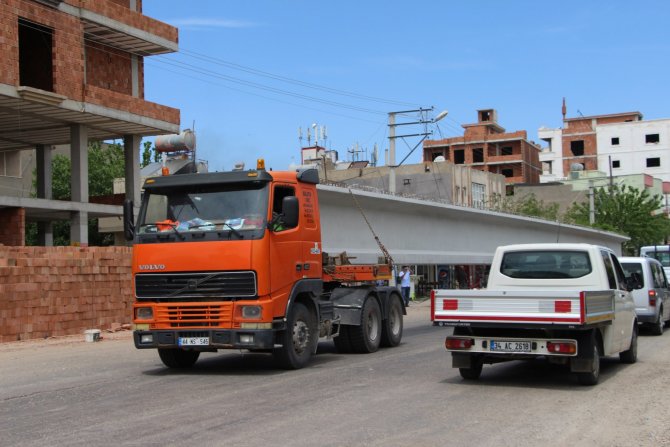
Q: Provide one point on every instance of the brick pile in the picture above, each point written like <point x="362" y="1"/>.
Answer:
<point x="54" y="291"/>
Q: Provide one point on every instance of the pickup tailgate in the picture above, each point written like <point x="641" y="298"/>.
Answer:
<point x="564" y="307"/>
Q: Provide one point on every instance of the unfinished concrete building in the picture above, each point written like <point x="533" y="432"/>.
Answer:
<point x="73" y="71"/>
<point x="487" y="147"/>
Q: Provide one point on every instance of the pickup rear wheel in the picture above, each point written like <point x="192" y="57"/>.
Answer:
<point x="178" y="358"/>
<point x="366" y="338"/>
<point x="474" y="371"/>
<point x="298" y="340"/>
<point x="591" y="378"/>
<point x="392" y="328"/>
<point x="630" y="356"/>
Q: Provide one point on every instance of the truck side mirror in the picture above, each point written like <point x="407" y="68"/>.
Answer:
<point x="128" y="220"/>
<point x="290" y="211"/>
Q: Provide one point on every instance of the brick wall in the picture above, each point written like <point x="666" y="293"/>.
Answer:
<point x="54" y="291"/>
<point x="12" y="229"/>
<point x="109" y="68"/>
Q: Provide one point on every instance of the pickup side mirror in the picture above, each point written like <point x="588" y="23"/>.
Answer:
<point x="128" y="220"/>
<point x="290" y="211"/>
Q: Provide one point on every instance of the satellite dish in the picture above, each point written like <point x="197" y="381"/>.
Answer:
<point x="576" y="167"/>
<point x="440" y="158"/>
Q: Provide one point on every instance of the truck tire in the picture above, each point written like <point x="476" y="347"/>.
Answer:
<point x="630" y="356"/>
<point x="591" y="378"/>
<point x="366" y="337"/>
<point x="343" y="341"/>
<point x="298" y="340"/>
<point x="178" y="358"/>
<point x="657" y="327"/>
<point x="474" y="371"/>
<point x="393" y="325"/>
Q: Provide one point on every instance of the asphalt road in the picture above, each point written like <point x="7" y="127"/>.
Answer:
<point x="67" y="392"/>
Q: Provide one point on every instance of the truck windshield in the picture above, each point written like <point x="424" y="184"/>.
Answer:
<point x="659" y="253"/>
<point x="546" y="264"/>
<point x="236" y="211"/>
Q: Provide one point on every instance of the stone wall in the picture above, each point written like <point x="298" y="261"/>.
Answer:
<point x="54" y="291"/>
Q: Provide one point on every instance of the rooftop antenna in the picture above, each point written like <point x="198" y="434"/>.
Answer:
<point x="309" y="137"/>
<point x="300" y="135"/>
<point x="315" y="127"/>
<point x="564" y="109"/>
<point x="324" y="136"/>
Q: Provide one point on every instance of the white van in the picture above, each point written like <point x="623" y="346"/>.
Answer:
<point x="651" y="294"/>
<point x="659" y="252"/>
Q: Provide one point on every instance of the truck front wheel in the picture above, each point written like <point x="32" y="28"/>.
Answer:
<point x="630" y="356"/>
<point x="367" y="337"/>
<point x="178" y="358"/>
<point x="298" y="340"/>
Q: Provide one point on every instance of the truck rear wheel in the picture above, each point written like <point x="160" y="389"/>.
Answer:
<point x="298" y="340"/>
<point x="392" y="328"/>
<point x="366" y="338"/>
<point x="474" y="371"/>
<point x="591" y="378"/>
<point x="178" y="358"/>
<point x="343" y="341"/>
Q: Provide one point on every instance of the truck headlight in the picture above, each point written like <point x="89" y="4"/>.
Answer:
<point x="144" y="313"/>
<point x="251" y="312"/>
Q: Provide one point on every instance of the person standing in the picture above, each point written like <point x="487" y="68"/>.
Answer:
<point x="404" y="283"/>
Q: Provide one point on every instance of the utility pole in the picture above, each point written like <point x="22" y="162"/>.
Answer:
<point x="592" y="204"/>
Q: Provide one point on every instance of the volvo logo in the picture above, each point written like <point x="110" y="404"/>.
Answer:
<point x="152" y="266"/>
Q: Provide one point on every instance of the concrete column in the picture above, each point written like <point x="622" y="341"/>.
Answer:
<point x="79" y="183"/>
<point x="45" y="236"/>
<point x="134" y="75"/>
<point x="131" y="150"/>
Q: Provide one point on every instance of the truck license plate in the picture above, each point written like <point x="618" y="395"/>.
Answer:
<point x="510" y="346"/>
<point x="193" y="341"/>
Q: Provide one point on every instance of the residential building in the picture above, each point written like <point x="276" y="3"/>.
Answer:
<point x="486" y="146"/>
<point x="618" y="144"/>
<point x="73" y="71"/>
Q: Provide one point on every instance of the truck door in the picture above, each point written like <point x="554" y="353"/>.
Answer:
<point x="285" y="248"/>
<point x="623" y="304"/>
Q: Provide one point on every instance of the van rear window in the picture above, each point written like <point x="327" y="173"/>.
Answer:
<point x="546" y="264"/>
<point x="633" y="267"/>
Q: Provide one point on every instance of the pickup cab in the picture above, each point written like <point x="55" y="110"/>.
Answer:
<point x="568" y="303"/>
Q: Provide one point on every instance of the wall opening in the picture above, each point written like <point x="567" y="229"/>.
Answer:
<point x="577" y="148"/>
<point x="478" y="155"/>
<point x="459" y="156"/>
<point x="507" y="172"/>
<point x="615" y="141"/>
<point x="35" y="56"/>
<point x="507" y="150"/>
<point x="653" y="162"/>
<point x="652" y="138"/>
<point x="616" y="164"/>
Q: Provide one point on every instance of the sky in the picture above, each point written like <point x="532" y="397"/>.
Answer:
<point x="249" y="74"/>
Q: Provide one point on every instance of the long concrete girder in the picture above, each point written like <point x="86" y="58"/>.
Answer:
<point x="418" y="231"/>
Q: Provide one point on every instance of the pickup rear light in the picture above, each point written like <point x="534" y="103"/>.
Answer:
<point x="652" y="298"/>
<point x="562" y="347"/>
<point x="450" y="305"/>
<point x="458" y="343"/>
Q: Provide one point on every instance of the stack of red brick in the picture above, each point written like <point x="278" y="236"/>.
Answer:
<point x="53" y="291"/>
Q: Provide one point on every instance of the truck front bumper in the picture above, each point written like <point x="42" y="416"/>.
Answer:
<point x="215" y="339"/>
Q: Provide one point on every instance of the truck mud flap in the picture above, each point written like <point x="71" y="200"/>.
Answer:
<point x="584" y="360"/>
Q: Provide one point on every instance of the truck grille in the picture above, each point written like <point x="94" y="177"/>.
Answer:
<point x="195" y="286"/>
<point x="193" y="316"/>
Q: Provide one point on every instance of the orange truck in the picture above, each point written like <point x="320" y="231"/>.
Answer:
<point x="233" y="260"/>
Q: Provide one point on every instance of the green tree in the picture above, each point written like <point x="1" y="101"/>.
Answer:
<point x="526" y="206"/>
<point x="105" y="162"/>
<point x="625" y="210"/>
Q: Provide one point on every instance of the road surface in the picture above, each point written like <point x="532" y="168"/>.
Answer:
<point x="68" y="392"/>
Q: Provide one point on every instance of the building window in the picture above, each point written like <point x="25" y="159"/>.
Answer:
<point x="577" y="148"/>
<point x="478" y="195"/>
<point x="35" y="56"/>
<point x="653" y="162"/>
<point x="615" y="141"/>
<point x="459" y="156"/>
<point x="506" y="150"/>
<point x="507" y="172"/>
<point x="10" y="164"/>
<point x="616" y="164"/>
<point x="478" y="155"/>
<point x="651" y="138"/>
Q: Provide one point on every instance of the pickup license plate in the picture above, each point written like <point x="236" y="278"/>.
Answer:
<point x="193" y="341"/>
<point x="510" y="346"/>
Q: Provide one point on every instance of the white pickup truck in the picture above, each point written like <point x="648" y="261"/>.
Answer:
<point x="569" y="303"/>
